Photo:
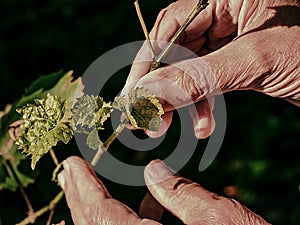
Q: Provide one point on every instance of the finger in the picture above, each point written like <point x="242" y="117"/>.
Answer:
<point x="203" y="119"/>
<point x="61" y="223"/>
<point x="181" y="84"/>
<point x="167" y="23"/>
<point x="82" y="188"/>
<point x="150" y="208"/>
<point x="240" y="65"/>
<point x="172" y="17"/>
<point x="192" y="203"/>
<point x="139" y="68"/>
<point x="166" y="188"/>
<point x="79" y="177"/>
<point x="89" y="201"/>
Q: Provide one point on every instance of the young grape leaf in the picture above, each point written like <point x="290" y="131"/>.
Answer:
<point x="60" y="84"/>
<point x="91" y="111"/>
<point x="44" y="125"/>
<point x="141" y="109"/>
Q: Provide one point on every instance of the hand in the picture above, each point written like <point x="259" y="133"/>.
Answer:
<point x="90" y="203"/>
<point x="242" y="45"/>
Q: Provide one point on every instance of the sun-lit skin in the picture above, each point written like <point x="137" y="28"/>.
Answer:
<point x="91" y="204"/>
<point x="242" y="45"/>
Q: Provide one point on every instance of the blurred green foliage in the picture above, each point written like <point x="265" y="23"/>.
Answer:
<point x="260" y="153"/>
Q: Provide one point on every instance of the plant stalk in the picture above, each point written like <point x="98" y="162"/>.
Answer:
<point x="25" y="196"/>
<point x="198" y="8"/>
<point x="31" y="218"/>
<point x="103" y="147"/>
<point x="53" y="156"/>
<point x="50" y="217"/>
<point x="142" y="22"/>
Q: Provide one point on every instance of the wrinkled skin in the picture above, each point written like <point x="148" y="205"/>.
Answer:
<point x="243" y="45"/>
<point x="91" y="204"/>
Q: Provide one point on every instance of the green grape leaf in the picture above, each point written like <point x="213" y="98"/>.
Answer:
<point x="141" y="109"/>
<point x="44" y="125"/>
<point x="120" y="103"/>
<point x="146" y="114"/>
<point x="60" y="84"/>
<point x="93" y="140"/>
<point x="91" y="111"/>
<point x="68" y="89"/>
<point x="9" y="183"/>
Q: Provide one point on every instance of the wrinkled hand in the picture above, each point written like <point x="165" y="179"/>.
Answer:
<point x="90" y="203"/>
<point x="242" y="45"/>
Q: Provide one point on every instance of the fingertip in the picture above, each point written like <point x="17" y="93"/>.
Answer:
<point x="204" y="127"/>
<point x="61" y="180"/>
<point x="153" y="162"/>
<point x="156" y="172"/>
<point x="203" y="119"/>
<point x="73" y="160"/>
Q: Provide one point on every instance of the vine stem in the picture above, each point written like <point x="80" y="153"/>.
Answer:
<point x="202" y="4"/>
<point x="31" y="218"/>
<point x="50" y="217"/>
<point x="103" y="147"/>
<point x="25" y="196"/>
<point x="53" y="156"/>
<point x="27" y="201"/>
<point x="139" y="14"/>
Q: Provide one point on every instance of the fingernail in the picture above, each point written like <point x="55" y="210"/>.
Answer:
<point x="201" y="133"/>
<point x="66" y="166"/>
<point x="157" y="171"/>
<point x="203" y="128"/>
<point x="61" y="180"/>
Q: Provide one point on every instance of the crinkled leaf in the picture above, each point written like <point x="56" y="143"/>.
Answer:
<point x="120" y="103"/>
<point x="146" y="114"/>
<point x="91" y="111"/>
<point x="44" y="125"/>
<point x="60" y="84"/>
<point x="69" y="89"/>
<point x="141" y="108"/>
<point x="102" y="114"/>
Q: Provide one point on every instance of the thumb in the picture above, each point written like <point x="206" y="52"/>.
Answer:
<point x="249" y="62"/>
<point x="192" y="203"/>
<point x="88" y="199"/>
<point x="178" y="88"/>
<point x="83" y="190"/>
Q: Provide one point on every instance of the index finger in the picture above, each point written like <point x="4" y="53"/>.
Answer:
<point x="192" y="203"/>
<point x="167" y="23"/>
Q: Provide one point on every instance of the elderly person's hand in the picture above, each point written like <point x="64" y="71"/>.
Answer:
<point x="91" y="204"/>
<point x="242" y="45"/>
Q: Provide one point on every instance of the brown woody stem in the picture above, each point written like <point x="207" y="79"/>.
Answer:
<point x="198" y="8"/>
<point x="12" y="172"/>
<point x="53" y="156"/>
<point x="103" y="147"/>
<point x="31" y="218"/>
<point x="139" y="13"/>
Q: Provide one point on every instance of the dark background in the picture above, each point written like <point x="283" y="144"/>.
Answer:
<point x="260" y="153"/>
